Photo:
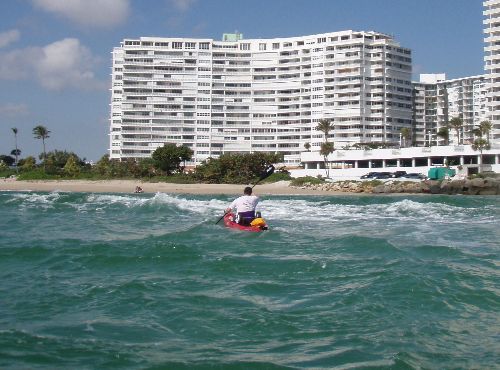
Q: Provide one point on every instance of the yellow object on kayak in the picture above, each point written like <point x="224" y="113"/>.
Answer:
<point x="259" y="221"/>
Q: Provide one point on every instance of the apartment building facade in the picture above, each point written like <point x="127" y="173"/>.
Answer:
<point x="240" y="95"/>
<point x="491" y="23"/>
<point x="437" y="100"/>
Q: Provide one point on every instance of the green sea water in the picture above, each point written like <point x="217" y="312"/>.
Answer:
<point x="149" y="281"/>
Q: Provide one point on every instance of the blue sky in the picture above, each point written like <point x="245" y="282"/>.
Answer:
<point x="55" y="59"/>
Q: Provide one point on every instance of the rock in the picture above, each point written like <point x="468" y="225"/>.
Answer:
<point x="477" y="182"/>
<point x="435" y="187"/>
<point x="488" y="191"/>
<point x="488" y="186"/>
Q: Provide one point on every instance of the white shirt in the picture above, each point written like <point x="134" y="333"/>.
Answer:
<point x="245" y="203"/>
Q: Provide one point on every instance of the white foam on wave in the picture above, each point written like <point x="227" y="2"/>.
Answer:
<point x="293" y="209"/>
<point x="193" y="205"/>
<point x="402" y="210"/>
<point x="32" y="199"/>
<point x="107" y="199"/>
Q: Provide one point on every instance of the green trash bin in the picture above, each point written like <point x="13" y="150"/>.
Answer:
<point x="439" y="173"/>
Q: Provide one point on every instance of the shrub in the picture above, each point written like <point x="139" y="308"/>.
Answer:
<point x="300" y="181"/>
<point x="235" y="168"/>
<point x="278" y="176"/>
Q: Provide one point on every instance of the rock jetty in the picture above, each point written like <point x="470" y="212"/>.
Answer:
<point x="475" y="186"/>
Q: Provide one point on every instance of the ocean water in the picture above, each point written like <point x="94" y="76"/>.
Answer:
<point x="149" y="281"/>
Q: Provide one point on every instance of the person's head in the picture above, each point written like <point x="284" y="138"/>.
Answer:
<point x="247" y="190"/>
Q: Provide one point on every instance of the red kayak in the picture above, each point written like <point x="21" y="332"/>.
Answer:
<point x="228" y="221"/>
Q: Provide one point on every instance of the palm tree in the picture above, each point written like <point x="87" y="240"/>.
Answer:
<point x="16" y="153"/>
<point x="480" y="144"/>
<point x="325" y="150"/>
<point x="307" y="146"/>
<point x="325" y="126"/>
<point x="41" y="132"/>
<point x="485" y="127"/>
<point x="444" y="133"/>
<point x="405" y="134"/>
<point x="14" y="130"/>
<point x="456" y="123"/>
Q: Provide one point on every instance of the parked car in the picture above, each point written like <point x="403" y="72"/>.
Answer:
<point x="398" y="173"/>
<point x="377" y="175"/>
<point x="368" y="175"/>
<point x="382" y="175"/>
<point x="415" y="176"/>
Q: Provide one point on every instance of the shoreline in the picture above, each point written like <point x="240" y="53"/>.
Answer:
<point x="128" y="186"/>
<point x="449" y="187"/>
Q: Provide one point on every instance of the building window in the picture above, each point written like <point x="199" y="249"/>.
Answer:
<point x="177" y="45"/>
<point x="276" y="45"/>
<point x="204" y="45"/>
<point x="262" y="46"/>
<point x="190" y="45"/>
<point x="245" y="46"/>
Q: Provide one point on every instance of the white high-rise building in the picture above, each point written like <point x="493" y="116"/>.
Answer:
<point x="266" y="95"/>
<point x="438" y="100"/>
<point x="491" y="23"/>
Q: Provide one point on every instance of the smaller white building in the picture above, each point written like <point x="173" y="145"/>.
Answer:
<point x="351" y="164"/>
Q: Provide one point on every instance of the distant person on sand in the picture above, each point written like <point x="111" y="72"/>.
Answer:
<point x="138" y="189"/>
<point x="245" y="207"/>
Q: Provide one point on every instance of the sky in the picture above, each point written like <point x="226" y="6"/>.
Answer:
<point x="55" y="55"/>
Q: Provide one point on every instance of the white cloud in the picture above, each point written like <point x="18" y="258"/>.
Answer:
<point x="13" y="110"/>
<point x="182" y="5"/>
<point x="57" y="66"/>
<point x="94" y="13"/>
<point x="8" y="36"/>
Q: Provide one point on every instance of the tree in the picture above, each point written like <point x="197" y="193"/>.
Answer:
<point x="307" y="146"/>
<point x="17" y="151"/>
<point x="456" y="123"/>
<point x="41" y="132"/>
<point x="326" y="149"/>
<point x="169" y="157"/>
<point x="59" y="158"/>
<point x="406" y="135"/>
<point x="325" y="126"/>
<point x="28" y="163"/>
<point x="480" y="144"/>
<point x="444" y="133"/>
<point x="147" y="167"/>
<point x="7" y="159"/>
<point x="485" y="127"/>
<point x="102" y="165"/>
<point x="71" y="167"/>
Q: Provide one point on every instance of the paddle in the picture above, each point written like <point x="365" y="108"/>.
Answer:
<point x="264" y="175"/>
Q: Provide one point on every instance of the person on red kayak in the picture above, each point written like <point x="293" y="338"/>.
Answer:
<point x="245" y="207"/>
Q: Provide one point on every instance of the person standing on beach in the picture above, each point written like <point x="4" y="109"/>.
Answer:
<point x="245" y="207"/>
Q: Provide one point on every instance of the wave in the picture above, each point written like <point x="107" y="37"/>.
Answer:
<point x="304" y="208"/>
<point x="401" y="221"/>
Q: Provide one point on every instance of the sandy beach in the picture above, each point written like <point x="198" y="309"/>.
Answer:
<point x="128" y="186"/>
